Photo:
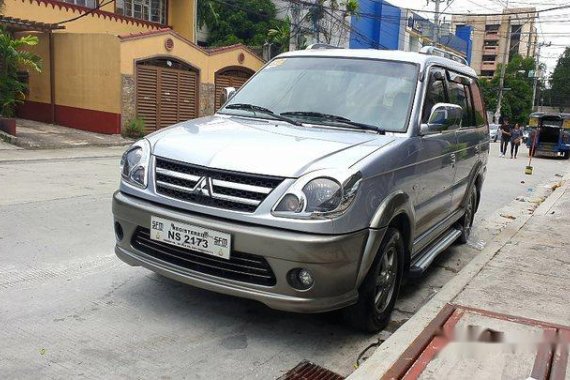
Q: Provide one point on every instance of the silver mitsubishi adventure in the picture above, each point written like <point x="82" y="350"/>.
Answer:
<point x="319" y="185"/>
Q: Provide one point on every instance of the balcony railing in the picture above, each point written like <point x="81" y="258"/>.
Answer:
<point x="492" y="36"/>
<point x="491" y="50"/>
<point x="488" y="66"/>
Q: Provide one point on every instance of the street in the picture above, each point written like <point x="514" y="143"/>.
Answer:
<point x="70" y="308"/>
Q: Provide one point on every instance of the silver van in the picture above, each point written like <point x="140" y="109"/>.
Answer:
<point x="325" y="180"/>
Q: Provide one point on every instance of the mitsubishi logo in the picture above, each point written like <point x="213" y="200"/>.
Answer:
<point x="203" y="187"/>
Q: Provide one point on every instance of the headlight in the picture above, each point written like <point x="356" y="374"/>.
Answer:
<point x="134" y="164"/>
<point x="322" y="194"/>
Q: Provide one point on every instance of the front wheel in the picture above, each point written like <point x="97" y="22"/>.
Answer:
<point x="379" y="290"/>
<point x="566" y="155"/>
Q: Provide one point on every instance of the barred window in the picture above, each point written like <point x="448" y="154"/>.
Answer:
<point x="83" y="3"/>
<point x="148" y="10"/>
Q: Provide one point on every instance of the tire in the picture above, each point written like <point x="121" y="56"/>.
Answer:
<point x="566" y="155"/>
<point x="466" y="223"/>
<point x="380" y="288"/>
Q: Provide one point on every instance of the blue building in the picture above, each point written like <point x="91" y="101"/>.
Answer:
<point x="381" y="25"/>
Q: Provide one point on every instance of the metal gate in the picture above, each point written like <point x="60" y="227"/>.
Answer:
<point x="233" y="77"/>
<point x="165" y="95"/>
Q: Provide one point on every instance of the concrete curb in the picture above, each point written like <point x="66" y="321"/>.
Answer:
<point x="6" y="137"/>
<point x="391" y="350"/>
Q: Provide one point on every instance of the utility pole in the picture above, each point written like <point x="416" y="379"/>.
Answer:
<point x="503" y="65"/>
<point x="436" y="19"/>
<point x="295" y="39"/>
<point x="536" y="68"/>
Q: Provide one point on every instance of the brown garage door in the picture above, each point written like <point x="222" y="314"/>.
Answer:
<point x="166" y="95"/>
<point x="230" y="78"/>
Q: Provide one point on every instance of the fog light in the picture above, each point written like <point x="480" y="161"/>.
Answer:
<point x="300" y="278"/>
<point x="119" y="231"/>
<point x="305" y="277"/>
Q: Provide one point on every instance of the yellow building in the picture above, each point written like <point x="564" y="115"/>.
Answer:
<point x="106" y="62"/>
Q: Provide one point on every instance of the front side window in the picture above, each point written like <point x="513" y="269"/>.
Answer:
<point x="148" y="10"/>
<point x="373" y="92"/>
<point x="435" y="93"/>
<point x="459" y="94"/>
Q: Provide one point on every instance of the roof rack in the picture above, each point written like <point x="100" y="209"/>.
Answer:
<point x="432" y="50"/>
<point x="321" y="46"/>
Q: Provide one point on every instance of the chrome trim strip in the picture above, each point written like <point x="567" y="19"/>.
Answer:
<point x="230" y="198"/>
<point x="241" y="186"/>
<point x="223" y="197"/>
<point x="175" y="187"/>
<point x="172" y="173"/>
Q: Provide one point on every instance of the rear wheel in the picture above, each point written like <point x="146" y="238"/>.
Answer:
<point x="466" y="223"/>
<point x="379" y="290"/>
<point x="566" y="155"/>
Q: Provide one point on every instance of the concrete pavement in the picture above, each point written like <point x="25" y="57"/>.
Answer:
<point x="72" y="309"/>
<point x="36" y="135"/>
<point x="516" y="289"/>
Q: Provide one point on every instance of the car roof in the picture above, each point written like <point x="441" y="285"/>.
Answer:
<point x="390" y="55"/>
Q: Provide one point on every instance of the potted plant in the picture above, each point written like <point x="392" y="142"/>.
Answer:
<point x="13" y="56"/>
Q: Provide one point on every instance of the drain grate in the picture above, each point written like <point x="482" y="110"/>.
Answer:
<point x="310" y="371"/>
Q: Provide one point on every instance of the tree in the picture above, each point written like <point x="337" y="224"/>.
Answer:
<point x="517" y="94"/>
<point x="207" y="14"/>
<point x="329" y="19"/>
<point x="281" y="35"/>
<point x="13" y="56"/>
<point x="244" y="21"/>
<point x="560" y="82"/>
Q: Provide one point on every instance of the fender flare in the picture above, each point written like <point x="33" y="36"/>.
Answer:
<point x="476" y="172"/>
<point x="393" y="205"/>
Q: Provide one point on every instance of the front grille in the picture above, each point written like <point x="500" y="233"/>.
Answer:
<point x="240" y="267"/>
<point x="212" y="187"/>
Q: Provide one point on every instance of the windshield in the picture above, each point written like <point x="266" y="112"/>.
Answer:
<point x="372" y="92"/>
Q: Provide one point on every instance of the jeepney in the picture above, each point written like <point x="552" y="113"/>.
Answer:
<point x="549" y="135"/>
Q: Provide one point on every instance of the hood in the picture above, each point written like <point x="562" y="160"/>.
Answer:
<point x="263" y="146"/>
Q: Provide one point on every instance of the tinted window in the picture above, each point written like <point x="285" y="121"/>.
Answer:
<point x="459" y="94"/>
<point x="435" y="93"/>
<point x="373" y="92"/>
<point x="478" y="105"/>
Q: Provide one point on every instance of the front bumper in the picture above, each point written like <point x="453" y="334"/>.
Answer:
<point x="333" y="260"/>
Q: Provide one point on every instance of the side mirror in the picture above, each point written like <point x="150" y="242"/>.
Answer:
<point x="444" y="116"/>
<point x="227" y="94"/>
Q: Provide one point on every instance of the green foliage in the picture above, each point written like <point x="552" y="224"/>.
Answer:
<point x="244" y="21"/>
<point x="207" y="13"/>
<point x="281" y="35"/>
<point x="135" y="128"/>
<point x="560" y="82"/>
<point x="517" y="100"/>
<point x="14" y="57"/>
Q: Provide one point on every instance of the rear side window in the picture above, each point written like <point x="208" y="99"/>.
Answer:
<point x="435" y="93"/>
<point x="478" y="105"/>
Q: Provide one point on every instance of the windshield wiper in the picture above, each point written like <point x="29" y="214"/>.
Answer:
<point x="337" y="119"/>
<point x="253" y="108"/>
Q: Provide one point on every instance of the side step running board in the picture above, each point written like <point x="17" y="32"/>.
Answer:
<point x="425" y="258"/>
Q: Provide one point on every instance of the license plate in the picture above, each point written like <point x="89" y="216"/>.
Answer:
<point x="192" y="237"/>
<point x="548" y="154"/>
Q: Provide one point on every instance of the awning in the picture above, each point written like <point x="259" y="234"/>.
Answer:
<point x="13" y="24"/>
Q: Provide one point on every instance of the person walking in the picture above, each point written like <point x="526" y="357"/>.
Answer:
<point x="516" y="138"/>
<point x="505" y="136"/>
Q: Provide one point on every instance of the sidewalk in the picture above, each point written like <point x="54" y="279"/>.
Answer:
<point x="499" y="318"/>
<point x="36" y="135"/>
